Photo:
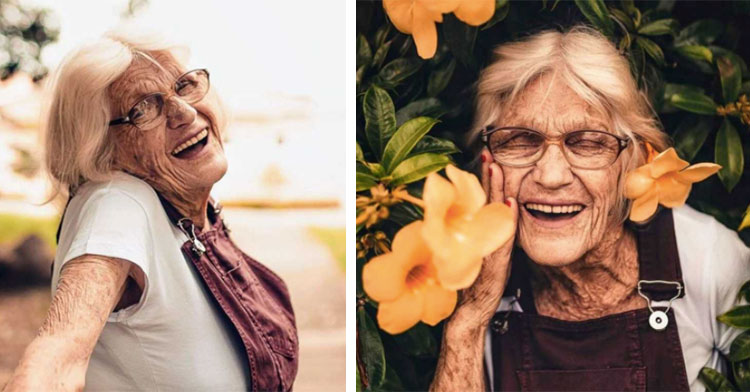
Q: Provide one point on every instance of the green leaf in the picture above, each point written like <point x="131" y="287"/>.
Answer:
<point x="659" y="27"/>
<point x="418" y="167"/>
<point x="743" y="225"/>
<point x="691" y="134"/>
<point x="501" y="11"/>
<point x="694" y="102"/>
<point x="741" y="372"/>
<point x="714" y="381"/>
<point x="440" y="77"/>
<point x="360" y="154"/>
<point x="404" y="140"/>
<point x="653" y="50"/>
<point x="434" y="145"/>
<point x="745" y="289"/>
<point x="625" y="21"/>
<point x="381" y="35"/>
<point x="395" y="72"/>
<point x="728" y="154"/>
<point x="429" y="107"/>
<point x="596" y="12"/>
<point x="364" y="53"/>
<point x="381" y="54"/>
<point x="370" y="349"/>
<point x="460" y="38"/>
<point x="731" y="78"/>
<point x="702" y="32"/>
<point x="418" y="341"/>
<point x="738" y="317"/>
<point x="696" y="52"/>
<point x="365" y="178"/>
<point x="380" y="118"/>
<point x="740" y="348"/>
<point x="405" y="213"/>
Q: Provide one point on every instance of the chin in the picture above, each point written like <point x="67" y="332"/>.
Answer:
<point x="557" y="252"/>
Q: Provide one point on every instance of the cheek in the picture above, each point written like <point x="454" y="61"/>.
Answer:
<point x="140" y="152"/>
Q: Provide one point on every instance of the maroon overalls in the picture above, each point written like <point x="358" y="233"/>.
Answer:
<point x="619" y="352"/>
<point x="255" y="300"/>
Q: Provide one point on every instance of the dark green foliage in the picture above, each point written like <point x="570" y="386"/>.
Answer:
<point x="689" y="57"/>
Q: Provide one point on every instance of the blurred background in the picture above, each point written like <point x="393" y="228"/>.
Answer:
<point x="279" y="67"/>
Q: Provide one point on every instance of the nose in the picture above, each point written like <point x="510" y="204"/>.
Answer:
<point x="179" y="113"/>
<point x="552" y="171"/>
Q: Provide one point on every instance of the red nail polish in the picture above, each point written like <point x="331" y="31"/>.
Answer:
<point x="507" y="203"/>
<point x="484" y="159"/>
<point x="489" y="171"/>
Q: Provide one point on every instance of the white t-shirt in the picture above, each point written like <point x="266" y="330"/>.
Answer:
<point x="175" y="338"/>
<point x="715" y="263"/>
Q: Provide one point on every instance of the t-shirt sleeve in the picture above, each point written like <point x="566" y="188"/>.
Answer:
<point x="731" y="269"/>
<point x="113" y="224"/>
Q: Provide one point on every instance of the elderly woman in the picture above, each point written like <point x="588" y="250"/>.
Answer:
<point x="584" y="301"/>
<point x="149" y="292"/>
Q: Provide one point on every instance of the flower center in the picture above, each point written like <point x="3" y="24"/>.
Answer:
<point x="418" y="276"/>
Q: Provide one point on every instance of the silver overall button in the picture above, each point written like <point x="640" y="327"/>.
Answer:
<point x="658" y="320"/>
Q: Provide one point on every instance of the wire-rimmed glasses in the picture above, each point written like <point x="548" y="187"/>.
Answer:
<point x="191" y="87"/>
<point x="584" y="149"/>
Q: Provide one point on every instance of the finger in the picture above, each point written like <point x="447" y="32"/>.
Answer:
<point x="496" y="183"/>
<point x="485" y="158"/>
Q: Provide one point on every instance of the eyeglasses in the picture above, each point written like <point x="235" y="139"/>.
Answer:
<point x="586" y="149"/>
<point x="191" y="87"/>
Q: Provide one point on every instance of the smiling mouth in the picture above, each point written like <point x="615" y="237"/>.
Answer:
<point x="191" y="147"/>
<point x="553" y="212"/>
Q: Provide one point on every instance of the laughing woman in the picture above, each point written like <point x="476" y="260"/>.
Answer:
<point x="585" y="301"/>
<point x="149" y="292"/>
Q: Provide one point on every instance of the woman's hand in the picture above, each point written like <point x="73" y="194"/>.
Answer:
<point x="57" y="359"/>
<point x="479" y="302"/>
<point x="460" y="366"/>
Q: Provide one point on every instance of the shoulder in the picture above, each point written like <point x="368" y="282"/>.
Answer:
<point x="122" y="192"/>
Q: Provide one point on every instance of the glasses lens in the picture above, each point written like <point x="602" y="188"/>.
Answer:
<point x="515" y="147"/>
<point x="146" y="110"/>
<point x="192" y="86"/>
<point x="591" y="149"/>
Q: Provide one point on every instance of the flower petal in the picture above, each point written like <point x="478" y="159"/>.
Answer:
<point x="401" y="314"/>
<point x="384" y="276"/>
<point x="438" y="303"/>
<point x="438" y="195"/>
<point x="439" y="6"/>
<point x="460" y="271"/>
<point x="672" y="192"/>
<point x="644" y="206"/>
<point x="400" y="13"/>
<point x="475" y="12"/>
<point x="491" y="227"/>
<point x="665" y="162"/>
<point x="698" y="172"/>
<point x="638" y="181"/>
<point x="470" y="196"/>
<point x="424" y="32"/>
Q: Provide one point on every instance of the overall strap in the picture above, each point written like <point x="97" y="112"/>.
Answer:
<point x="660" y="272"/>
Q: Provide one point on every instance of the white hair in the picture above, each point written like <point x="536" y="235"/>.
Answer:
<point x="78" y="145"/>
<point x="591" y="66"/>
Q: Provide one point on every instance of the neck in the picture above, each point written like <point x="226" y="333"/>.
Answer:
<point x="602" y="282"/>
<point x="194" y="207"/>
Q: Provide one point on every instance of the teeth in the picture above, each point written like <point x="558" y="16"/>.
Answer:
<point x="191" y="142"/>
<point x="549" y="209"/>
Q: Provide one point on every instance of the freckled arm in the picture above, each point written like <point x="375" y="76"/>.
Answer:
<point x="57" y="359"/>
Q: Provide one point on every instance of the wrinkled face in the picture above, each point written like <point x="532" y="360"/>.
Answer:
<point x="551" y="229"/>
<point x="181" y="153"/>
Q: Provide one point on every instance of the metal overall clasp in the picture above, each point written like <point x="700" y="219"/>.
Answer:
<point x="659" y="319"/>
<point x="198" y="246"/>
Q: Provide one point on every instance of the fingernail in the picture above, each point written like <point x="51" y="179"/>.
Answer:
<point x="484" y="159"/>
<point x="490" y="171"/>
<point x="508" y="203"/>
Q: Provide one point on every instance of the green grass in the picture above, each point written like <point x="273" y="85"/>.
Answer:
<point x="335" y="240"/>
<point x="14" y="227"/>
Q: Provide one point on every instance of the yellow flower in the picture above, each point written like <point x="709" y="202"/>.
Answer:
<point x="405" y="284"/>
<point x="666" y="180"/>
<point x="418" y="17"/>
<point x="460" y="228"/>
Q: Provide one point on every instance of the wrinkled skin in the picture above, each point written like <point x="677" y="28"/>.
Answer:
<point x="588" y="266"/>
<point x="146" y="153"/>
